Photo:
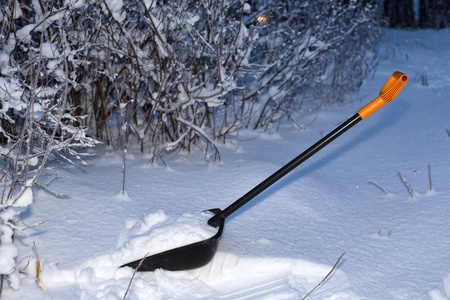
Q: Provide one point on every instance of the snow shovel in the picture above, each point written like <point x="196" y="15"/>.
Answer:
<point x="198" y="254"/>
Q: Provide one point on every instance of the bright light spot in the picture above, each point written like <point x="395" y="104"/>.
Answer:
<point x="262" y="19"/>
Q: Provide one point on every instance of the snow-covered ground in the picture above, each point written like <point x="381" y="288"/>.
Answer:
<point x="286" y="240"/>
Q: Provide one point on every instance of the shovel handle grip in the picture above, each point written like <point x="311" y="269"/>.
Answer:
<point x="390" y="89"/>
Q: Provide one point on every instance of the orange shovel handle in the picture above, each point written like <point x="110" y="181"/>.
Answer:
<point x="390" y="89"/>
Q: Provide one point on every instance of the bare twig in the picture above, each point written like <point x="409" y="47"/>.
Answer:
<point x="408" y="186"/>
<point x="61" y="113"/>
<point x="34" y="225"/>
<point x="429" y="177"/>
<point x="45" y="187"/>
<point x="1" y="284"/>
<point x="378" y="186"/>
<point x="325" y="278"/>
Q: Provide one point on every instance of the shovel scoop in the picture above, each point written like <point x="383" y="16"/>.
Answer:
<point x="198" y="254"/>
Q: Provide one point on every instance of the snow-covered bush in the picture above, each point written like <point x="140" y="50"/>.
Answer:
<point x="37" y="120"/>
<point x="314" y="51"/>
<point x="191" y="72"/>
<point x="166" y="74"/>
<point x="173" y="74"/>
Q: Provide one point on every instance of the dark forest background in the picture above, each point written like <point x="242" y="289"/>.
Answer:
<point x="434" y="14"/>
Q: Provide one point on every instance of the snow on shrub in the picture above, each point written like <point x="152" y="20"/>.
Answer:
<point x="191" y="72"/>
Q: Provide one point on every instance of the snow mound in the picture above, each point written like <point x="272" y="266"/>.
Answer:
<point x="441" y="294"/>
<point x="157" y="233"/>
<point x="228" y="276"/>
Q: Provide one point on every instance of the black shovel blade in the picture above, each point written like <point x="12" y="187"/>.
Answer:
<point x="187" y="257"/>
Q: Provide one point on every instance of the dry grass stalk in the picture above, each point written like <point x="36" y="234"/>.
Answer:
<point x="38" y="266"/>
<point x="132" y="277"/>
<point x="325" y="278"/>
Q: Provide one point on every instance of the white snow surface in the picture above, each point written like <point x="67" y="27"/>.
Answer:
<point x="286" y="240"/>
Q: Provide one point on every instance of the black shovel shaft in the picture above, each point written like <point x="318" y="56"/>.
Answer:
<point x="215" y="220"/>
